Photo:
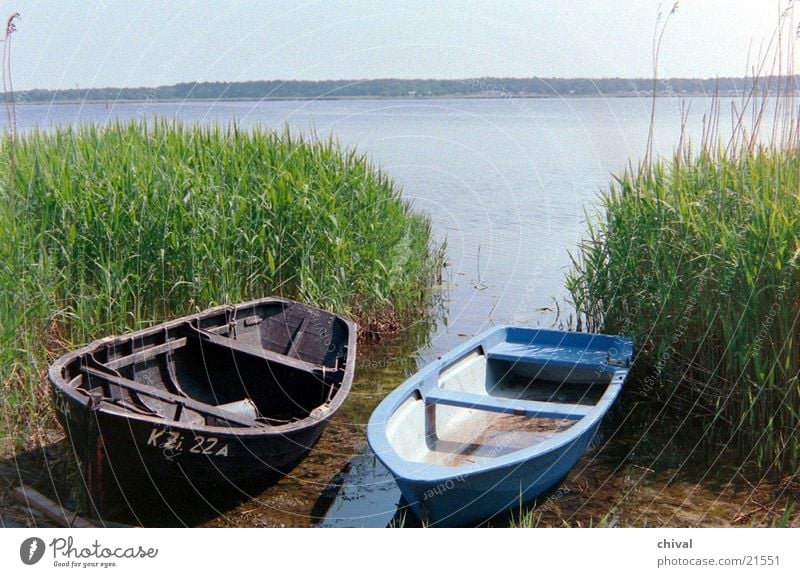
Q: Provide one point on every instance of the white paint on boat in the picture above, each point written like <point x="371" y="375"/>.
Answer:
<point x="452" y="436"/>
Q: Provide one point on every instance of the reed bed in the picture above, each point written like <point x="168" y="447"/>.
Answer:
<point x="697" y="258"/>
<point x="111" y="228"/>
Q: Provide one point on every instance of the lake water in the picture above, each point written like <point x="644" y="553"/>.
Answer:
<point x="508" y="184"/>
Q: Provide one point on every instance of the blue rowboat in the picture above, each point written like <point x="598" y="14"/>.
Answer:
<point x="497" y="421"/>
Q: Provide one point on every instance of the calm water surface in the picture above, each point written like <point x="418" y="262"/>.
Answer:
<point x="508" y="183"/>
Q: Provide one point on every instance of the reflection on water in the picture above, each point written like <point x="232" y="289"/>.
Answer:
<point x="363" y="494"/>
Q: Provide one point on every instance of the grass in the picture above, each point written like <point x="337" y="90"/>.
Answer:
<point x="107" y="229"/>
<point x="696" y="256"/>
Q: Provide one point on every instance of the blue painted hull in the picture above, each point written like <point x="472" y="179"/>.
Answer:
<point x="435" y="432"/>
<point x="467" y="498"/>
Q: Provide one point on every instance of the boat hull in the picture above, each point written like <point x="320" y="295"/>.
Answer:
<point x="126" y="460"/>
<point x="465" y="498"/>
<point x="497" y="422"/>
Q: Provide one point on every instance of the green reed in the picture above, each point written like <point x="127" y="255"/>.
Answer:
<point x="697" y="259"/>
<point x="111" y="228"/>
<point x="696" y="256"/>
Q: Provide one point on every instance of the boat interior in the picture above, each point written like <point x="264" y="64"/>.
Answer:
<point x="266" y="365"/>
<point x="487" y="405"/>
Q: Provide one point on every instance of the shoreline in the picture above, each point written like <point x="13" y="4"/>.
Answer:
<point x="72" y="102"/>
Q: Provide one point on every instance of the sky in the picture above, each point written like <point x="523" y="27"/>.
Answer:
<point x="98" y="43"/>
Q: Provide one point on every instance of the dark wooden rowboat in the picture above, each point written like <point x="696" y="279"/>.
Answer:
<point x="224" y="396"/>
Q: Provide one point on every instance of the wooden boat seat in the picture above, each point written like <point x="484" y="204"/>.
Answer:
<point x="563" y="356"/>
<point x="232" y="345"/>
<point x="145" y="354"/>
<point x="233" y="418"/>
<point x="297" y="333"/>
<point x="540" y="409"/>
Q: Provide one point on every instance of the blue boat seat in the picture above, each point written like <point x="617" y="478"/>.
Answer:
<point x="539" y="409"/>
<point x="554" y="355"/>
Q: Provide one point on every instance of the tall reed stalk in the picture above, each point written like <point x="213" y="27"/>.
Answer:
<point x="696" y="256"/>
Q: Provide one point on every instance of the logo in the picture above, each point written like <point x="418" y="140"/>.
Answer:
<point x="31" y="551"/>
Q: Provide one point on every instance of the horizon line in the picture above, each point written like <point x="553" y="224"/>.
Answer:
<point x="356" y="81"/>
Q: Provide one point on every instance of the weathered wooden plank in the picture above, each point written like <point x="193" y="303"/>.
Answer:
<point x="145" y="354"/>
<point x="538" y="409"/>
<point x="161" y="395"/>
<point x="50" y="509"/>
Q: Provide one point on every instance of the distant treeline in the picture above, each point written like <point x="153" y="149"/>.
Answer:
<point x="418" y="88"/>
